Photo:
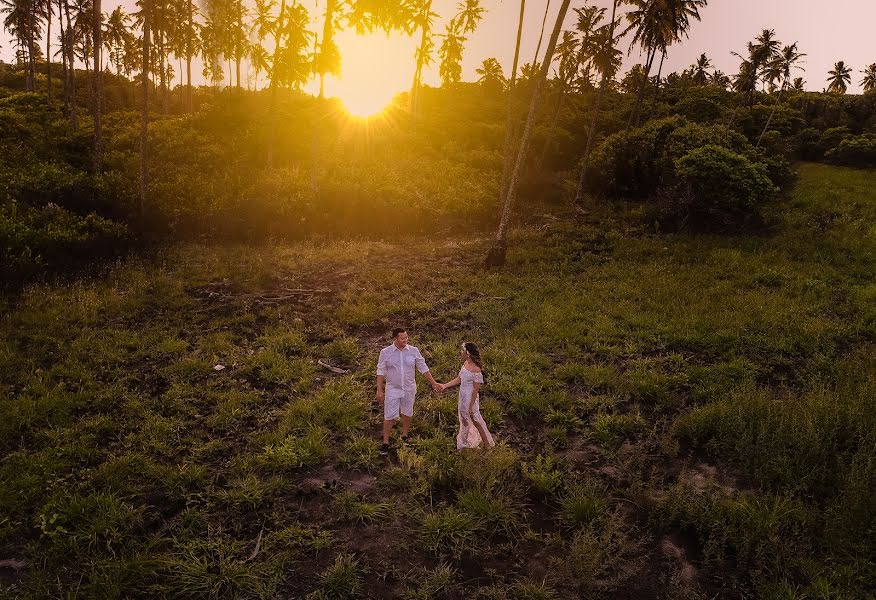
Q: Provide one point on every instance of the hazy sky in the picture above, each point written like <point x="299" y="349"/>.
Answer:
<point x="826" y="33"/>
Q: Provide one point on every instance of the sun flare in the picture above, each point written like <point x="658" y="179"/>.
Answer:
<point x="375" y="68"/>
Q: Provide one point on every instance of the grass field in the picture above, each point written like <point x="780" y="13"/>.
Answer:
<point x="677" y="417"/>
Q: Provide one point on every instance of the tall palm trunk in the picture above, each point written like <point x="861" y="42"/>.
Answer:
<point x="579" y="193"/>
<point x="657" y="83"/>
<point x="272" y="119"/>
<point x="71" y="56"/>
<point x="49" y="15"/>
<point x="98" y="86"/>
<point x="64" y="72"/>
<point x="189" y="33"/>
<point x="238" y="51"/>
<point x="772" y="113"/>
<point x="555" y="117"/>
<point x="31" y="59"/>
<point x="547" y="7"/>
<point x="640" y="95"/>
<point x="496" y="255"/>
<point x="421" y="59"/>
<point x="144" y="111"/>
<point x="509" y="116"/>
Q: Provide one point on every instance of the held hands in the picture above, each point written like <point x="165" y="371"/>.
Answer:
<point x="437" y="387"/>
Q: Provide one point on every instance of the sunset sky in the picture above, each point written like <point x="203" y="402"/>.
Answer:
<point x="841" y="30"/>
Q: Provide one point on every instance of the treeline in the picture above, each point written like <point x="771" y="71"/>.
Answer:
<point x="125" y="157"/>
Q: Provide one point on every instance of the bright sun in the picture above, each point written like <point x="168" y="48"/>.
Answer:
<point x="375" y="67"/>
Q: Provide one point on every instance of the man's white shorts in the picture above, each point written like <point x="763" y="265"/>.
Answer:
<point x="398" y="401"/>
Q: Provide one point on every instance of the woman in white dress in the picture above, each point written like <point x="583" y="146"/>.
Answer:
<point x="472" y="427"/>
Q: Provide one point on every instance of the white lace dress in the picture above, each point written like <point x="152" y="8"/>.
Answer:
<point x="468" y="436"/>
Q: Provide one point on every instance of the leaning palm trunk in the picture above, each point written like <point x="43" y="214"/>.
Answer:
<point x="640" y="95"/>
<point x="49" y="16"/>
<point x="555" y="117"/>
<point x="547" y="7"/>
<point x="496" y="255"/>
<point x="579" y="193"/>
<point x="144" y="114"/>
<point x="509" y="117"/>
<point x="657" y="83"/>
<point x="98" y="88"/>
<point x="772" y="113"/>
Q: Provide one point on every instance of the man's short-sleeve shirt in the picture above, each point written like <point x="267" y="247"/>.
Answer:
<point x="397" y="366"/>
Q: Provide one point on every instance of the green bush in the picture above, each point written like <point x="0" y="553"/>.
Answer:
<point x="52" y="237"/>
<point x="855" y="151"/>
<point x="702" y="177"/>
<point x="720" y="189"/>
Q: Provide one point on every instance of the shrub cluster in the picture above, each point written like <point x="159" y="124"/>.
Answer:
<point x="701" y="177"/>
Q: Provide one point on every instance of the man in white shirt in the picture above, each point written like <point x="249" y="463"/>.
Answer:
<point x="396" y="367"/>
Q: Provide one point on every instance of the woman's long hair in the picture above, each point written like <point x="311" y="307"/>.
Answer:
<point x="474" y="354"/>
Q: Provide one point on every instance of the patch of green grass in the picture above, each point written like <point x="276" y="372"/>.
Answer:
<point x="341" y="580"/>
<point x="449" y="531"/>
<point x="582" y="505"/>
<point x="295" y="452"/>
<point x="432" y="584"/>
<point x="272" y="367"/>
<point x="543" y="475"/>
<point x="491" y="509"/>
<point x="295" y="538"/>
<point x="340" y="406"/>
<point x="359" y="452"/>
<point x="344" y="350"/>
<point x="215" y="567"/>
<point x="351" y="508"/>
<point x="288" y="342"/>
<point x="612" y="430"/>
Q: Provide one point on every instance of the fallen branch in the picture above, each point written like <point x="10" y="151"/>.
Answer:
<point x="332" y="368"/>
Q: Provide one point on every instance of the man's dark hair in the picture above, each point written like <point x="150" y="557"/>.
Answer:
<point x="397" y="331"/>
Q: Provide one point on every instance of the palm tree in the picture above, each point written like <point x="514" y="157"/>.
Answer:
<point x="496" y="255"/>
<point x="840" y="77"/>
<point x="238" y="44"/>
<point x="450" y="53"/>
<point x="451" y="49"/>
<point x="115" y="36"/>
<point x="23" y="24"/>
<point x="328" y="59"/>
<point x="780" y="67"/>
<point x="657" y="24"/>
<point x="798" y="84"/>
<point x="146" y="11"/>
<point x="259" y="59"/>
<point x="699" y="71"/>
<point x="568" y="53"/>
<point x="47" y="12"/>
<point x="719" y="79"/>
<point x="509" y="114"/>
<point x="490" y="74"/>
<point x="869" y="81"/>
<point x="97" y="46"/>
<point x="606" y="63"/>
<point x="469" y="15"/>
<point x="589" y="18"/>
<point x="422" y="21"/>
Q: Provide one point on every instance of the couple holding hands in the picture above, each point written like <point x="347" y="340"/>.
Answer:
<point x="395" y="369"/>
